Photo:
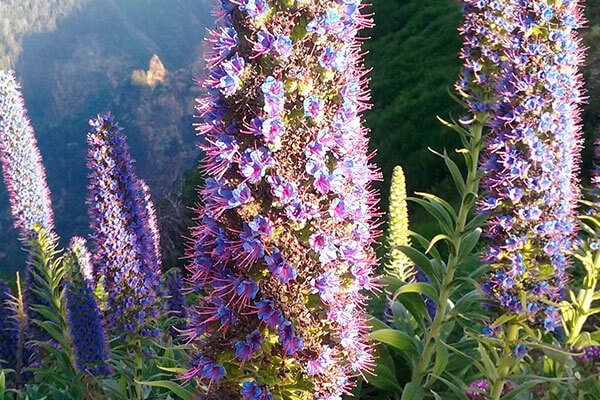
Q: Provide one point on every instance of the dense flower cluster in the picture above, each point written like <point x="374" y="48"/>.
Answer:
<point x="21" y="161"/>
<point x="521" y="69"/>
<point x="477" y="389"/>
<point x="282" y="247"/>
<point x="124" y="232"/>
<point x="9" y="330"/>
<point x="588" y="357"/>
<point x="175" y="303"/>
<point x="596" y="170"/>
<point x="86" y="324"/>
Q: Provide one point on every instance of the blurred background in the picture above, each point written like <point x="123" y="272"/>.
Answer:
<point x="138" y="59"/>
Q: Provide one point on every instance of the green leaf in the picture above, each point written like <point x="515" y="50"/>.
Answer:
<point x="396" y="339"/>
<point x="424" y="242"/>
<point x="441" y="202"/>
<point x="468" y="242"/>
<point x="376" y="324"/>
<point x="436" y="239"/>
<point x="391" y="283"/>
<point x="383" y="357"/>
<point x="384" y="379"/>
<point x="173" y="370"/>
<point x="491" y="368"/>
<point x="476" y="222"/>
<point x="455" y="172"/>
<point x="526" y="386"/>
<point x="402" y="319"/>
<point x="421" y="261"/>
<point x="2" y="385"/>
<point x="415" y="305"/>
<point x="441" y="357"/>
<point x="591" y="219"/>
<point x="412" y="391"/>
<point x="457" y="128"/>
<point x="438" y="212"/>
<point x="554" y="353"/>
<point x="420" y="288"/>
<point x="503" y="319"/>
<point x="172" y="386"/>
<point x="454" y="386"/>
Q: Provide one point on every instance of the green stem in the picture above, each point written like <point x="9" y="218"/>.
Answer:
<point x="471" y="187"/>
<point x="584" y="301"/>
<point x="511" y="337"/>
<point x="138" y="372"/>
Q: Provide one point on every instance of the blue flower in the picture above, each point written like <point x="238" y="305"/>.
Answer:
<point x="283" y="46"/>
<point x="313" y="107"/>
<point x="520" y="350"/>
<point x="255" y="8"/>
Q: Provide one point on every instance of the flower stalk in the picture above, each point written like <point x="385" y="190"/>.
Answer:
<point x="471" y="185"/>
<point x="512" y="335"/>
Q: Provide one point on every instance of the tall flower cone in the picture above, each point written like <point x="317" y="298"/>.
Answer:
<point x="124" y="233"/>
<point x="522" y="67"/>
<point x="22" y="167"/>
<point x="282" y="248"/>
<point x="86" y="324"/>
<point x="25" y="178"/>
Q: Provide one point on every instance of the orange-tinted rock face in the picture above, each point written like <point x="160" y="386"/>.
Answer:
<point x="157" y="73"/>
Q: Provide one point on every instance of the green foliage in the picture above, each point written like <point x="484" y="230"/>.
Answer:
<point x="432" y="347"/>
<point x="414" y="55"/>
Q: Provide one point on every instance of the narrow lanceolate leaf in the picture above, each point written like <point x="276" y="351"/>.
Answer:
<point x="396" y="339"/>
<point x="9" y="329"/>
<point x="412" y="392"/>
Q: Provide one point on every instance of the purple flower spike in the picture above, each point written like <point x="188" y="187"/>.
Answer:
<point x="87" y="329"/>
<point x="521" y="70"/>
<point x="281" y="256"/>
<point x="176" y="305"/>
<point x="22" y="167"/>
<point x="124" y="232"/>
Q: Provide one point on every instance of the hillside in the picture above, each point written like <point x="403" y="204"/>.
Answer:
<point x="77" y="65"/>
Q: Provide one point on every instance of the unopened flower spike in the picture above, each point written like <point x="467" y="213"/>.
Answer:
<point x="399" y="264"/>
